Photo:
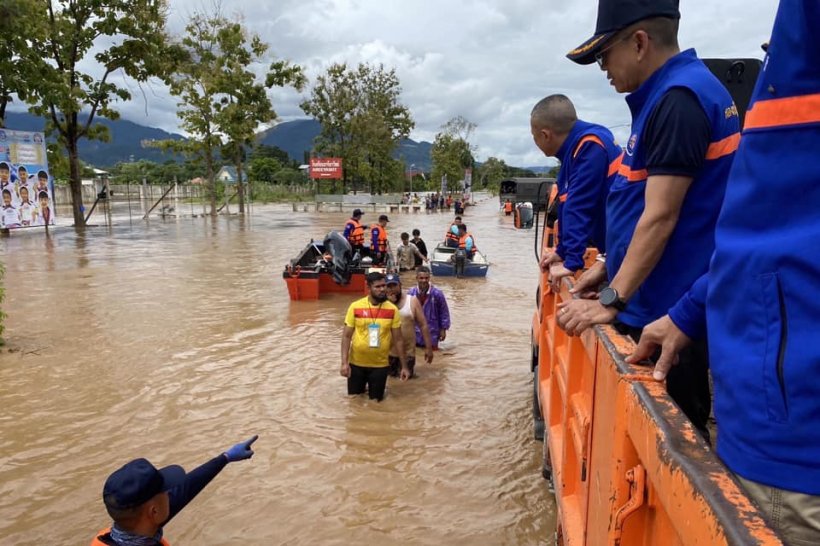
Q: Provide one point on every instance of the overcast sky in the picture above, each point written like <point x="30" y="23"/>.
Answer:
<point x="487" y="60"/>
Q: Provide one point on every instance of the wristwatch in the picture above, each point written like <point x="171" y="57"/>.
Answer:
<point x="609" y="297"/>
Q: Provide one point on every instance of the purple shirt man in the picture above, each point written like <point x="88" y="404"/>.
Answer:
<point x="434" y="305"/>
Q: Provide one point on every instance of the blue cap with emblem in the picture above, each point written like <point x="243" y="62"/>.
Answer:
<point x="392" y="278"/>
<point x="615" y="15"/>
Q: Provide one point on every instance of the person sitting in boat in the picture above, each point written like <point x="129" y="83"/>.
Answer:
<point x="451" y="237"/>
<point x="379" y="245"/>
<point x="466" y="241"/>
<point x="407" y="253"/>
<point x="354" y="232"/>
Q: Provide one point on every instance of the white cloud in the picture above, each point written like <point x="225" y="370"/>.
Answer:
<point x="488" y="61"/>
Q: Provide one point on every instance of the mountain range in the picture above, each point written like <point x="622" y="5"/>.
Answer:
<point x="128" y="141"/>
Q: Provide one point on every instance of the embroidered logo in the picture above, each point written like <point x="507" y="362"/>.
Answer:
<point x="630" y="146"/>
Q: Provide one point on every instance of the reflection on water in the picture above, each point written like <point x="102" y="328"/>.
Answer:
<point x="175" y="339"/>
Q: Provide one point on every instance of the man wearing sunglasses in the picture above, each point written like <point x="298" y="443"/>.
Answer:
<point x="664" y="202"/>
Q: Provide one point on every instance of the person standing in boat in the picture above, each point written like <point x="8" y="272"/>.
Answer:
<point x="451" y="236"/>
<point x="466" y="241"/>
<point x="372" y="327"/>
<point x="412" y="317"/>
<point x="589" y="160"/>
<point x="379" y="244"/>
<point x="435" y="308"/>
<point x="354" y="232"/>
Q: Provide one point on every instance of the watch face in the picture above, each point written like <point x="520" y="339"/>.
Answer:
<point x="608" y="296"/>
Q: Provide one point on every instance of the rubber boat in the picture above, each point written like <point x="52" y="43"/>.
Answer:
<point x="327" y="267"/>
<point x="449" y="262"/>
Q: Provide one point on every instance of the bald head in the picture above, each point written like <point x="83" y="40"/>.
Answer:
<point x="556" y="113"/>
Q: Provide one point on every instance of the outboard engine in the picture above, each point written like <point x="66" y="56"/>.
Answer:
<point x="460" y="262"/>
<point x="342" y="253"/>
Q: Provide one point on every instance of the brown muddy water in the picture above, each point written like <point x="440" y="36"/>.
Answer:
<point x="173" y="339"/>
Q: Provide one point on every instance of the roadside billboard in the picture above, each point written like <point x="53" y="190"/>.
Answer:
<point x="326" y="168"/>
<point x="25" y="184"/>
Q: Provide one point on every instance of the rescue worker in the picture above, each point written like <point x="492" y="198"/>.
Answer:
<point x="589" y="160"/>
<point x="663" y="204"/>
<point x="508" y="207"/>
<point x="451" y="236"/>
<point x="758" y="304"/>
<point x="379" y="245"/>
<point x="142" y="500"/>
<point x="354" y="232"/>
<point x="466" y="241"/>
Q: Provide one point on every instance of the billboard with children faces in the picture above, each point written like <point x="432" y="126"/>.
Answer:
<point x="26" y="186"/>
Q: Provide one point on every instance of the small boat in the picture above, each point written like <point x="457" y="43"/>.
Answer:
<point x="446" y="261"/>
<point x="327" y="267"/>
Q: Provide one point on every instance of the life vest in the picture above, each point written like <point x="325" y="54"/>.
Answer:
<point x="380" y="242"/>
<point x="462" y="243"/>
<point x="508" y="207"/>
<point x="103" y="538"/>
<point x="356" y="233"/>
<point x="450" y="236"/>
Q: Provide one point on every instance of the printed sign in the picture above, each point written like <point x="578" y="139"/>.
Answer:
<point x="26" y="186"/>
<point x="326" y="167"/>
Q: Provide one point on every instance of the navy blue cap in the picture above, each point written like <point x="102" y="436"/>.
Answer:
<point x="137" y="482"/>
<point x="615" y="15"/>
<point x="357" y="212"/>
<point x="392" y="278"/>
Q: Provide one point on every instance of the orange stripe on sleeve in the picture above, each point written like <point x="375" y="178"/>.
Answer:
<point x="632" y="176"/>
<point x="615" y="165"/>
<point x="588" y="138"/>
<point x="787" y="111"/>
<point x="724" y="147"/>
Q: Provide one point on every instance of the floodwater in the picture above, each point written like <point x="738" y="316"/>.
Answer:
<point x="174" y="339"/>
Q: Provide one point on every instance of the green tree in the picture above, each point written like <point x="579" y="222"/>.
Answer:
<point x="491" y="173"/>
<point x="272" y="152"/>
<point x="362" y="122"/>
<point x="451" y="152"/>
<point x="19" y="19"/>
<point x="264" y="169"/>
<point x="220" y="96"/>
<point x="82" y="45"/>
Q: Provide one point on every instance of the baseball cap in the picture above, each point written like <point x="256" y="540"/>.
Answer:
<point x="383" y="217"/>
<point x="357" y="212"/>
<point x="137" y="482"/>
<point x="615" y="15"/>
<point x="392" y="278"/>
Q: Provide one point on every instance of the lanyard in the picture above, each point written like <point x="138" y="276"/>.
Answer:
<point x="370" y="310"/>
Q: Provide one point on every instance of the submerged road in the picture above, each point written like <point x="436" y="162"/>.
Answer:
<point x="174" y="339"/>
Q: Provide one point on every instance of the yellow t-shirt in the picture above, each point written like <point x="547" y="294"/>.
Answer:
<point x="360" y="315"/>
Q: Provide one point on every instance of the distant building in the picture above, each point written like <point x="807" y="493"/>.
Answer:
<point x="227" y="175"/>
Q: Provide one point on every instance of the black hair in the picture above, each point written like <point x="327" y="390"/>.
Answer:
<point x="458" y="217"/>
<point x="462" y="227"/>
<point x="422" y="269"/>
<point x="554" y="112"/>
<point x="405" y="235"/>
<point x="7" y="192"/>
<point x="42" y="194"/>
<point x="664" y="30"/>
<point x="373" y="277"/>
<point x="416" y="233"/>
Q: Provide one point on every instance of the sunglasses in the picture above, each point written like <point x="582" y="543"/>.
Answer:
<point x="599" y="57"/>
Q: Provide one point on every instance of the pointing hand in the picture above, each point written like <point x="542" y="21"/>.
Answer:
<point x="241" y="451"/>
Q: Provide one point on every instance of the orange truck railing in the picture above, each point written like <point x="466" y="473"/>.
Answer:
<point x="627" y="466"/>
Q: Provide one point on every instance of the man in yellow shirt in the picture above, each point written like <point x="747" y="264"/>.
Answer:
<point x="372" y="326"/>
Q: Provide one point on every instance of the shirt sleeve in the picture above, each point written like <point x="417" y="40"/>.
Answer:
<point x="589" y="173"/>
<point x="689" y="314"/>
<point x="348" y="229"/>
<point x="443" y="312"/>
<point x="350" y="318"/>
<point x="677" y="135"/>
<point x="374" y="239"/>
<point x="195" y="481"/>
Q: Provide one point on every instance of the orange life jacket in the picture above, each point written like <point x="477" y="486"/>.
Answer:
<point x="103" y="538"/>
<point x="356" y="237"/>
<point x="462" y="243"/>
<point x="382" y="240"/>
<point x="450" y="236"/>
<point x="508" y="207"/>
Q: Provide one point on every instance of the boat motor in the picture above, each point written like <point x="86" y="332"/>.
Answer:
<point x="342" y="254"/>
<point x="460" y="262"/>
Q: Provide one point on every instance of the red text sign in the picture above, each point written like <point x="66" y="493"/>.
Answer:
<point x="326" y="167"/>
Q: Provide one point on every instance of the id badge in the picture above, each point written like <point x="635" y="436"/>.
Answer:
<point x="373" y="335"/>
